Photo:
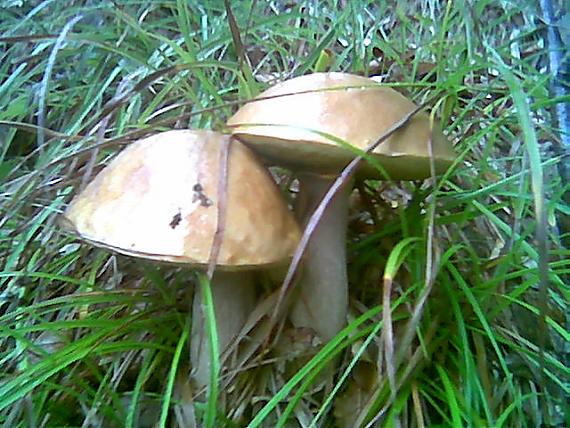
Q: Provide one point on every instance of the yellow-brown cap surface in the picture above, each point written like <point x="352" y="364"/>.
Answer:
<point x="349" y="107"/>
<point x="158" y="199"/>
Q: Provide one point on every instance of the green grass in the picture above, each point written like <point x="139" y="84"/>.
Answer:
<point x="474" y="260"/>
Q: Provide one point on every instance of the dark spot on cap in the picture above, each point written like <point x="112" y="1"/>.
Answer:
<point x="175" y="220"/>
<point x="200" y="196"/>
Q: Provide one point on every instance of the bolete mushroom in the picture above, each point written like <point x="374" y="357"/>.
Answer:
<point x="294" y="124"/>
<point x="159" y="198"/>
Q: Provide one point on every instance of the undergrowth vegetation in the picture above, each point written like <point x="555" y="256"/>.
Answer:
<point x="474" y="260"/>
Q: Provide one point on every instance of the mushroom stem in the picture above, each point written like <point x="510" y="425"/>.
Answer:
<point x="322" y="302"/>
<point x="233" y="296"/>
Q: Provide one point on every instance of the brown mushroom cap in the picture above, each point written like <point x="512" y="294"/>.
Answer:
<point x="158" y="199"/>
<point x="352" y="108"/>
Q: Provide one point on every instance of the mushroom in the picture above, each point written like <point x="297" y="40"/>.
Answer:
<point x="304" y="124"/>
<point x="159" y="199"/>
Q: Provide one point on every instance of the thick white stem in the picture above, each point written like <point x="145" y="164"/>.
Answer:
<point x="322" y="299"/>
<point x="233" y="295"/>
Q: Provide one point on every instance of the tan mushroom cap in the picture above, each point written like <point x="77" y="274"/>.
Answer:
<point x="352" y="108"/>
<point x="158" y="199"/>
